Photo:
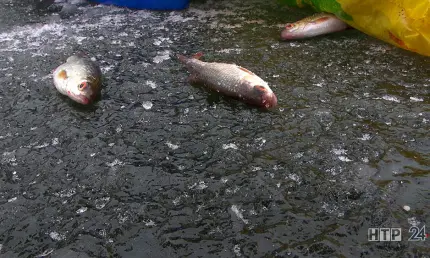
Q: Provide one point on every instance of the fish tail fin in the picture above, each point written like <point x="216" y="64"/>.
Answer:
<point x="184" y="59"/>
<point x="197" y="55"/>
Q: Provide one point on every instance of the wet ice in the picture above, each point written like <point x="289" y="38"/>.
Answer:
<point x="300" y="161"/>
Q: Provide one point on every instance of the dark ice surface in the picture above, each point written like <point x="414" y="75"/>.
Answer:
<point x="160" y="168"/>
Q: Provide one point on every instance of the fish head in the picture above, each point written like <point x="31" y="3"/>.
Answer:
<point x="82" y="91"/>
<point x="79" y="79"/>
<point x="293" y="31"/>
<point x="264" y="96"/>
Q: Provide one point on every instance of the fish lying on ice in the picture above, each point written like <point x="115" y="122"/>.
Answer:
<point x="79" y="78"/>
<point x="231" y="80"/>
<point x="315" y="25"/>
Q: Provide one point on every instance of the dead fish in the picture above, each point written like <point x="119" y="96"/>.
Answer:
<point x="231" y="80"/>
<point x="79" y="78"/>
<point x="315" y="25"/>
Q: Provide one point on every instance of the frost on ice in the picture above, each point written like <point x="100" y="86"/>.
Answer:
<point x="239" y="214"/>
<point x="229" y="146"/>
<point x="172" y="146"/>
<point x="147" y="105"/>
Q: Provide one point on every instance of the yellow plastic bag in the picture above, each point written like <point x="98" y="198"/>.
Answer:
<point x="403" y="23"/>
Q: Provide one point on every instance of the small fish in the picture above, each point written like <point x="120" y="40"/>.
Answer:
<point x="315" y="25"/>
<point x="231" y="80"/>
<point x="79" y="78"/>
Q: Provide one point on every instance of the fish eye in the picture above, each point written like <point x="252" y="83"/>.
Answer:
<point x="260" y="89"/>
<point x="82" y="85"/>
<point x="289" y="26"/>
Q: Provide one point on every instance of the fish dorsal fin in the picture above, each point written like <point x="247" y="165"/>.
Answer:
<point x="245" y="70"/>
<point x="62" y="74"/>
<point x="197" y="55"/>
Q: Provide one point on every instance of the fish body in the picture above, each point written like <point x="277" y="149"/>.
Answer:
<point x="79" y="78"/>
<point x="315" y="25"/>
<point x="231" y="80"/>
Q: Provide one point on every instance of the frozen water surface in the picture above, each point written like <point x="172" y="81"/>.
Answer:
<point x="160" y="168"/>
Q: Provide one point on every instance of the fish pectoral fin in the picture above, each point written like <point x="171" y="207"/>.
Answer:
<point x="62" y="74"/>
<point x="245" y="70"/>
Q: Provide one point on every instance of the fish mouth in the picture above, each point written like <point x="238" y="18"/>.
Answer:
<point x="269" y="100"/>
<point x="288" y="35"/>
<point x="82" y="99"/>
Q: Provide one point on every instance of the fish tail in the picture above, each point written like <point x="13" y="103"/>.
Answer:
<point x="197" y="55"/>
<point x="184" y="59"/>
